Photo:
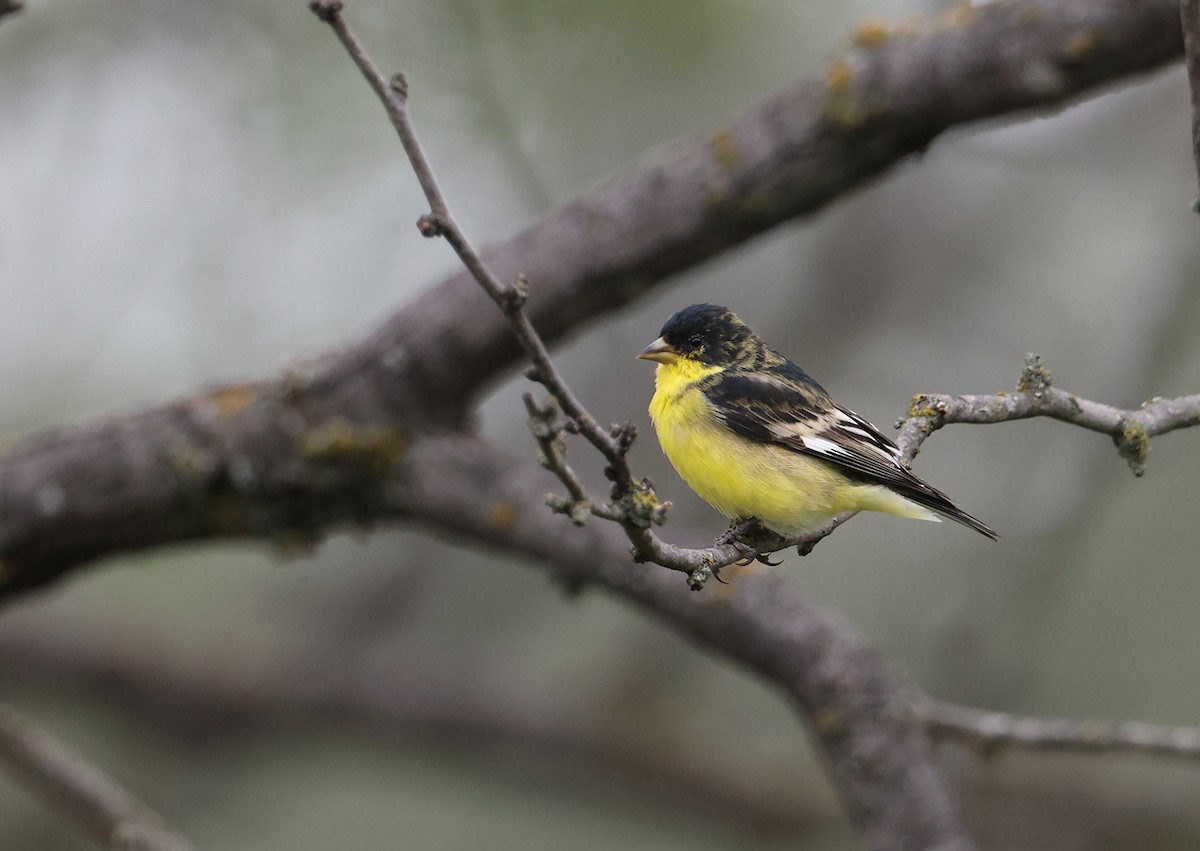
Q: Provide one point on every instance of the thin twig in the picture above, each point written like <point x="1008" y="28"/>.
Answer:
<point x="78" y="790"/>
<point x="439" y="222"/>
<point x="634" y="503"/>
<point x="1130" y="430"/>
<point x="995" y="731"/>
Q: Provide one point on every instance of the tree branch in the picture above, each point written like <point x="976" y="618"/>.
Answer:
<point x="156" y="692"/>
<point x="992" y="732"/>
<point x="81" y="792"/>
<point x="787" y="157"/>
<point x="1189" y="13"/>
<point x="856" y="711"/>
<point x="1130" y="430"/>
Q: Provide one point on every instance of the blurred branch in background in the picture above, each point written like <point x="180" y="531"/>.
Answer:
<point x="8" y="7"/>
<point x="301" y="688"/>
<point x="79" y="791"/>
<point x="992" y="732"/>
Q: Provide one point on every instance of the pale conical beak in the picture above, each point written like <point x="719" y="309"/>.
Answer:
<point x="661" y="351"/>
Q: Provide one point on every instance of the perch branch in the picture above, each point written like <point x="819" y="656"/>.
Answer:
<point x="81" y="792"/>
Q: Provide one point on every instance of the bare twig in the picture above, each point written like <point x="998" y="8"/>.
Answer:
<point x="992" y="732"/>
<point x="633" y="504"/>
<point x="439" y="222"/>
<point x="1130" y="430"/>
<point x="81" y="792"/>
<point x="1189" y="14"/>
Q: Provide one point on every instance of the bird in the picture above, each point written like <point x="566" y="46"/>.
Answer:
<point x="763" y="443"/>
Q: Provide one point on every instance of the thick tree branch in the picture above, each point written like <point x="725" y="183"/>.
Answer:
<point x="992" y="732"/>
<point x="80" y="792"/>
<point x="787" y="157"/>
<point x="8" y="7"/>
<point x="876" y="751"/>
<point x="1189" y="13"/>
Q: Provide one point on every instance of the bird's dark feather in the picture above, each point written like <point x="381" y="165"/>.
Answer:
<point x="780" y="404"/>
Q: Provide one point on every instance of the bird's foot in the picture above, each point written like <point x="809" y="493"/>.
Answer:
<point x="737" y="533"/>
<point x="749" y="533"/>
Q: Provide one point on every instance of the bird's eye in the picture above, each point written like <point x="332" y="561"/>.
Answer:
<point x="695" y="341"/>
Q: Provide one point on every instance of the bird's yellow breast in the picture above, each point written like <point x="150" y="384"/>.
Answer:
<point x="791" y="493"/>
<point x="787" y="491"/>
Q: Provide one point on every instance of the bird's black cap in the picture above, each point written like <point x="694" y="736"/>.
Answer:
<point x="708" y="332"/>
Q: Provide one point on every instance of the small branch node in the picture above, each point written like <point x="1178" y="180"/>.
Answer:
<point x="430" y="225"/>
<point x="579" y="511"/>
<point x="640" y="507"/>
<point x="514" y="296"/>
<point x="1133" y="444"/>
<point x="399" y="85"/>
<point x="928" y="411"/>
<point x="624" y="434"/>
<point x="1035" y="378"/>
<point x="327" y="10"/>
<point x="699" y="577"/>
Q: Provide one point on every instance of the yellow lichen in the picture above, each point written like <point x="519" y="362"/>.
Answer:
<point x="838" y="76"/>
<point x="956" y="16"/>
<point x="922" y="406"/>
<point x="233" y="399"/>
<point x="725" y="150"/>
<point x="341" y="440"/>
<point x="1134" y="446"/>
<point x="870" y="33"/>
<point x="1080" y="44"/>
<point x="502" y="515"/>
<point x="829" y="721"/>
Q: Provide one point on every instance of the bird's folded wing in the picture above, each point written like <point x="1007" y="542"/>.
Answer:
<point x="787" y="408"/>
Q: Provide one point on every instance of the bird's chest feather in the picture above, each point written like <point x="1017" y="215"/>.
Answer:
<point x="738" y="477"/>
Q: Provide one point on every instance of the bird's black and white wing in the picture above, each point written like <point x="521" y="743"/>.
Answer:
<point x="784" y="406"/>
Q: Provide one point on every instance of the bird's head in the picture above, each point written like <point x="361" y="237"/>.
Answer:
<point x="705" y="334"/>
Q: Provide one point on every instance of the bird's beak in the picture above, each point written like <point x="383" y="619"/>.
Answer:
<point x="661" y="351"/>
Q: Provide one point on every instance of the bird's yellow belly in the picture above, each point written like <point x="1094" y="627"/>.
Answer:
<point x="789" y="492"/>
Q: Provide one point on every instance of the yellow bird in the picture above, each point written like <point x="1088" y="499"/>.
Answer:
<point x="757" y="438"/>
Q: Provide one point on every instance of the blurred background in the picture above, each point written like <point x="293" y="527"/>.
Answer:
<point x="195" y="193"/>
